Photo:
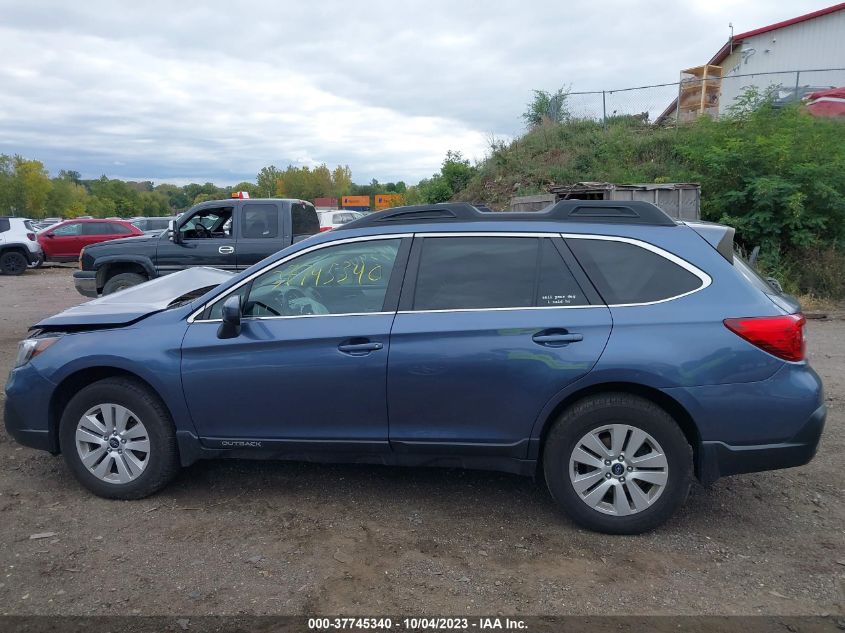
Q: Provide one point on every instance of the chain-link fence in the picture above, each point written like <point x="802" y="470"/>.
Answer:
<point x="715" y="96"/>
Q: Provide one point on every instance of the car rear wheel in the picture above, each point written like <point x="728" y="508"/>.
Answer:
<point x="617" y="463"/>
<point x="122" y="281"/>
<point x="118" y="439"/>
<point x="12" y="263"/>
<point x="39" y="261"/>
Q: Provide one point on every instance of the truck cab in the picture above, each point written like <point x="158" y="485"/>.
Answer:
<point x="229" y="234"/>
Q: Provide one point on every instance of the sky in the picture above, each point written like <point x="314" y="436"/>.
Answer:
<point x="213" y="91"/>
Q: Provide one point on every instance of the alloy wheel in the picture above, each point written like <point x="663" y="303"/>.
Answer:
<point x="618" y="469"/>
<point x="113" y="443"/>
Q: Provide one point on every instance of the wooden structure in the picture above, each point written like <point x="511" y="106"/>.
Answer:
<point x="679" y="200"/>
<point x="698" y="92"/>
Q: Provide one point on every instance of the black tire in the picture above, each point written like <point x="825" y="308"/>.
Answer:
<point x="163" y="457"/>
<point x="122" y="281"/>
<point x="39" y="261"/>
<point x="13" y="263"/>
<point x="599" y="410"/>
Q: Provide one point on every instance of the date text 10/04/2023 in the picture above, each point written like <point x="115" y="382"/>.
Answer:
<point x="417" y="624"/>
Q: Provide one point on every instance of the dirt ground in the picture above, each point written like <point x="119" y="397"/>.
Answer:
<point x="239" y="537"/>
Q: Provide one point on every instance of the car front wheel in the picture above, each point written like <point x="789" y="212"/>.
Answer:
<point x="118" y="439"/>
<point x="122" y="281"/>
<point x="617" y="463"/>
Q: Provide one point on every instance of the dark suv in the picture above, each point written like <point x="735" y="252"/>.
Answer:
<point x="227" y="234"/>
<point x="601" y="346"/>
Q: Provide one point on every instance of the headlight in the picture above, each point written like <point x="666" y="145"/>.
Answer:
<point x="32" y="347"/>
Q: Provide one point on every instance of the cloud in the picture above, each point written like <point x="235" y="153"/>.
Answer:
<point x="214" y="91"/>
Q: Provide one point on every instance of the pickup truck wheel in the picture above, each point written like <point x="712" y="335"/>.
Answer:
<point x="118" y="439"/>
<point x="122" y="281"/>
<point x="12" y="263"/>
<point x="617" y="463"/>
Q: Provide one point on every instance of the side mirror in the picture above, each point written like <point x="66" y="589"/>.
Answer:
<point x="50" y="235"/>
<point x="174" y="236"/>
<point x="231" y="326"/>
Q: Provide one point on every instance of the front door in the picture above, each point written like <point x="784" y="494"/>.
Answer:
<point x="205" y="239"/>
<point x="309" y="366"/>
<point x="63" y="242"/>
<point x="489" y="329"/>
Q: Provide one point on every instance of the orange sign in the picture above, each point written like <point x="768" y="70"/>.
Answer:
<point x="388" y="200"/>
<point x="356" y="202"/>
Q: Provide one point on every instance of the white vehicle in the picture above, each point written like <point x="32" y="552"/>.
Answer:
<point x="332" y="219"/>
<point x="19" y="247"/>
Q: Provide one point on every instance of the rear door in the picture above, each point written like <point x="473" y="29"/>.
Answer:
<point x="490" y="328"/>
<point x="260" y="230"/>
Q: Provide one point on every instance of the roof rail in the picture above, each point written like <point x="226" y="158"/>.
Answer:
<point x="591" y="211"/>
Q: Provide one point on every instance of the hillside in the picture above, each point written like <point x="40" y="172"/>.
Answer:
<point x="777" y="175"/>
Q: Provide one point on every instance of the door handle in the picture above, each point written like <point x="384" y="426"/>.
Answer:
<point x="360" y="349"/>
<point x="226" y="250"/>
<point x="557" y="339"/>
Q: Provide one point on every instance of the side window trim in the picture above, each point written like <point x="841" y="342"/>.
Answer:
<point x="705" y="279"/>
<point x="198" y="315"/>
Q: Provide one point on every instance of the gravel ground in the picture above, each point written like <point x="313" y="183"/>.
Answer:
<point x="240" y="537"/>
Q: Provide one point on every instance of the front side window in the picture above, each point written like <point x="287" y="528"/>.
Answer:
<point x="260" y="221"/>
<point x="476" y="272"/>
<point x="208" y="223"/>
<point x="74" y="228"/>
<point x="343" y="279"/>
<point x="625" y="273"/>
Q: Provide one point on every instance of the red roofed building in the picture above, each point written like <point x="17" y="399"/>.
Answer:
<point x="814" y="41"/>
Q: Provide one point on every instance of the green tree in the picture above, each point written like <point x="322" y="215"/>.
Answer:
<point x="547" y="107"/>
<point x="341" y="181"/>
<point x="33" y="186"/>
<point x="267" y="180"/>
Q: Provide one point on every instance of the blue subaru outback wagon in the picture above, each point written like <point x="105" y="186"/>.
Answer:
<point x="602" y="346"/>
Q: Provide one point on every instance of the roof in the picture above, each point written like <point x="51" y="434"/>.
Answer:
<point x="727" y="47"/>
<point x="723" y="52"/>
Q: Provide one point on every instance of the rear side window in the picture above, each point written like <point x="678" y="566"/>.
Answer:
<point x="260" y="221"/>
<point x="4" y="225"/>
<point x="304" y="219"/>
<point x="97" y="228"/>
<point x="476" y="272"/>
<point x="118" y="229"/>
<point x="625" y="273"/>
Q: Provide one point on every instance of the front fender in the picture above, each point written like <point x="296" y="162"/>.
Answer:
<point x="101" y="264"/>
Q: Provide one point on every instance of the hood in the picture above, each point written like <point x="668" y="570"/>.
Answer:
<point x="135" y="239"/>
<point x="137" y="302"/>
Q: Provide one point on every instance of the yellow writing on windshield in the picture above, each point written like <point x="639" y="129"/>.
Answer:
<point x="354" y="271"/>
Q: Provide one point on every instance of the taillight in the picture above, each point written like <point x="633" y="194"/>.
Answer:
<point x="30" y="237"/>
<point x="323" y="229"/>
<point x="781" y="336"/>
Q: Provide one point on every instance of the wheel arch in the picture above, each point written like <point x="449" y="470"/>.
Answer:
<point x="15" y="248"/>
<point x="666" y="402"/>
<point x="73" y="383"/>
<point x="109" y="267"/>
